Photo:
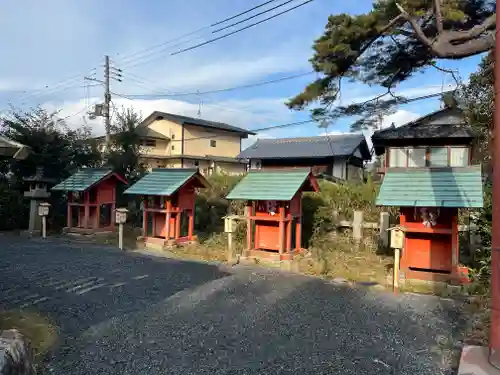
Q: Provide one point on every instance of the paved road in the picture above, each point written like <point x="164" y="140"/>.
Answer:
<point x="132" y="314"/>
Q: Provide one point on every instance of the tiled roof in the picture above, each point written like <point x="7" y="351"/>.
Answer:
<point x="164" y="181"/>
<point x="279" y="185"/>
<point x="194" y="121"/>
<point x="428" y="187"/>
<point x="83" y="179"/>
<point x="445" y="123"/>
<point x="310" y="147"/>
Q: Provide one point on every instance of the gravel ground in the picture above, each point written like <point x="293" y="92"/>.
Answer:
<point x="132" y="314"/>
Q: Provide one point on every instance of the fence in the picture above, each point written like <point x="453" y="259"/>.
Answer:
<point x="358" y="226"/>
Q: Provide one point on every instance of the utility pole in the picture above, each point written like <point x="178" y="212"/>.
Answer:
<point x="494" y="344"/>
<point x="104" y="110"/>
<point x="107" y="103"/>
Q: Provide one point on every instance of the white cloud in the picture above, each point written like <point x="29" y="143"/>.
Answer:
<point x="225" y="72"/>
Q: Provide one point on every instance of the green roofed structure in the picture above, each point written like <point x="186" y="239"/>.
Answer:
<point x="91" y="199"/>
<point x="274" y="210"/>
<point x="276" y="185"/>
<point x="83" y="179"/>
<point x="167" y="195"/>
<point x="165" y="181"/>
<point x="428" y="174"/>
<point x="432" y="187"/>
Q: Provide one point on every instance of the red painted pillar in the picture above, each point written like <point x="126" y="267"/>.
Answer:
<point x="454" y="246"/>
<point x="298" y="234"/>
<point x="249" y="213"/>
<point x="191" y="225"/>
<point x="289" y="235"/>
<point x="282" y="228"/>
<point x="178" y="225"/>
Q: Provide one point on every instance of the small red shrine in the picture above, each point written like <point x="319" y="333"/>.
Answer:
<point x="428" y="173"/>
<point x="274" y="210"/>
<point x="168" y="202"/>
<point x="91" y="200"/>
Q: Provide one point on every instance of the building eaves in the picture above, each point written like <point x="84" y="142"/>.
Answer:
<point x="195" y="121"/>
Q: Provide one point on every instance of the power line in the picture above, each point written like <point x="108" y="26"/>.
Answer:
<point x="128" y="58"/>
<point x="252" y="17"/>
<point x="239" y="30"/>
<point x="242" y="13"/>
<point x="290" y="124"/>
<point x="227" y="89"/>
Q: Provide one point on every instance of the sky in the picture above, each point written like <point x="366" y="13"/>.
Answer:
<point x="53" y="44"/>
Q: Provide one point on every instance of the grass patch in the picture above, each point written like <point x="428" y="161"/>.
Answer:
<point x="214" y="248"/>
<point x="38" y="329"/>
<point x="341" y="256"/>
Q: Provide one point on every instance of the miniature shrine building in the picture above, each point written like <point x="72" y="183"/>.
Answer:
<point x="428" y="173"/>
<point x="274" y="210"/>
<point x="91" y="200"/>
<point x="168" y="198"/>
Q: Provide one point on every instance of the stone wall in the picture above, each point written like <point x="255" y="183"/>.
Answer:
<point x="16" y="354"/>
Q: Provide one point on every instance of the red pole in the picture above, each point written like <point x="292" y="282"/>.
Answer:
<point x="494" y="346"/>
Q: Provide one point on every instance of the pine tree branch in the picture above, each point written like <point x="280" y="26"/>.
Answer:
<point x="475" y="40"/>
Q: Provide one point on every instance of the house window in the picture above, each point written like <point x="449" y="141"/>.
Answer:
<point x="213" y="143"/>
<point x="438" y="157"/>
<point x="173" y="147"/>
<point x="149" y="142"/>
<point x="397" y="157"/>
<point x="173" y="136"/>
<point x="459" y="156"/>
<point x="417" y="156"/>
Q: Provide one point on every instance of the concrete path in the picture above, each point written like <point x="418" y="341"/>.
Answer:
<point x="132" y="314"/>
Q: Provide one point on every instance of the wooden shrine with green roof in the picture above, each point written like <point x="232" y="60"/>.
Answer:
<point x="91" y="200"/>
<point x="168" y="196"/>
<point x="428" y="174"/>
<point x="274" y="210"/>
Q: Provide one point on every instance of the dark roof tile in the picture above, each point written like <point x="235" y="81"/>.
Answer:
<point x="311" y="147"/>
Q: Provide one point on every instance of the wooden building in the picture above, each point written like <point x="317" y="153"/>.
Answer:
<point x="91" y="199"/>
<point x="168" y="199"/>
<point x="340" y="156"/>
<point x="429" y="175"/>
<point x="274" y="210"/>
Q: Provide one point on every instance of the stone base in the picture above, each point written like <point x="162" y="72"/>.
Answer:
<point x="88" y="232"/>
<point x="474" y="361"/>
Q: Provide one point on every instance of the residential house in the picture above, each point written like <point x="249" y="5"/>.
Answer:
<point x="439" y="139"/>
<point x="339" y="156"/>
<point x="174" y="141"/>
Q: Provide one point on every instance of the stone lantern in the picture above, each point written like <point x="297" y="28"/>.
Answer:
<point x="37" y="193"/>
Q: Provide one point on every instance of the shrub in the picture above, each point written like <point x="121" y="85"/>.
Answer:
<point x="211" y="205"/>
<point x="14" y="209"/>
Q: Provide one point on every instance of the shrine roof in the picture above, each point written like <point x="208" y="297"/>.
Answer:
<point x="279" y="185"/>
<point x="166" y="181"/>
<point x="432" y="187"/>
<point x="84" y="179"/>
